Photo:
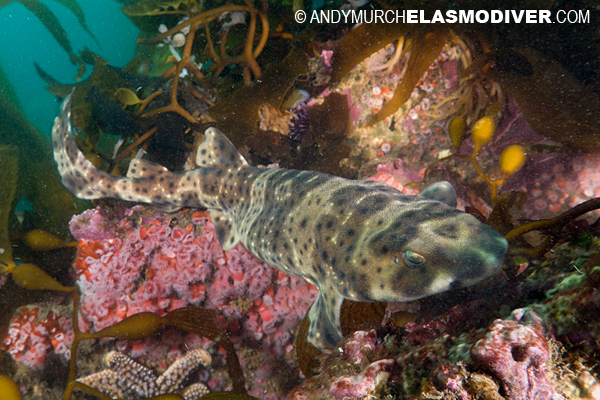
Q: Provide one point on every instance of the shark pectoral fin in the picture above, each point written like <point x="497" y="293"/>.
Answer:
<point x="216" y="151"/>
<point x="324" y="315"/>
<point x="143" y="169"/>
<point x="224" y="229"/>
<point x="440" y="191"/>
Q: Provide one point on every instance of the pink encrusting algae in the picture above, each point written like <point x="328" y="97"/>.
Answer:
<point x="157" y="263"/>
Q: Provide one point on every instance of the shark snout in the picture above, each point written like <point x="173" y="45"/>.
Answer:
<point x="484" y="258"/>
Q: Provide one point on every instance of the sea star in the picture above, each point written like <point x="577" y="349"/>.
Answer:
<point x="126" y="378"/>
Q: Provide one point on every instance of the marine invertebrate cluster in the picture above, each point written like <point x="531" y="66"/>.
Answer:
<point x="555" y="183"/>
<point x="157" y="264"/>
<point x="417" y="127"/>
<point x="515" y="351"/>
<point x="127" y="378"/>
<point x="31" y="335"/>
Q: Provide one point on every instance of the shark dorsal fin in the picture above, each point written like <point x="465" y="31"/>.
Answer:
<point x="216" y="151"/>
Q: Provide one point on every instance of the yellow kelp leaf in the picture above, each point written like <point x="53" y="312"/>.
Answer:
<point x="33" y="277"/>
<point x="9" y="389"/>
<point x="512" y="159"/>
<point x="41" y="240"/>
<point x="456" y="129"/>
<point x="483" y="131"/>
<point x="137" y="326"/>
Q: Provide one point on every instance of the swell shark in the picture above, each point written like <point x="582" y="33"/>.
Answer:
<point x="356" y="240"/>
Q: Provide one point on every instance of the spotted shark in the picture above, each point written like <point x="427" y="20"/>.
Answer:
<point x="355" y="240"/>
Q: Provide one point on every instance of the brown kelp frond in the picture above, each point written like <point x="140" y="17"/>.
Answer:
<point x="553" y="227"/>
<point x="75" y="9"/>
<point x="221" y="58"/>
<point x="237" y="115"/>
<point x="425" y="46"/>
<point x="9" y="167"/>
<point x="46" y="17"/>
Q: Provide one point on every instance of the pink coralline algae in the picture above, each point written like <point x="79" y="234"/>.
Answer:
<point x="158" y="263"/>
<point x="516" y="352"/>
<point x="32" y="334"/>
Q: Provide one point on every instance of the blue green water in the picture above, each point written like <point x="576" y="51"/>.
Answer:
<point x="25" y="40"/>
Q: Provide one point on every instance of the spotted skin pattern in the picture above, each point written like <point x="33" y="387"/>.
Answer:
<point x="356" y="240"/>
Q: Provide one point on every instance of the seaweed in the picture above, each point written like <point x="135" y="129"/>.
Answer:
<point x="425" y="46"/>
<point x="360" y="43"/>
<point x="46" y="17"/>
<point x="75" y="9"/>
<point x="137" y="326"/>
<point x="221" y="58"/>
<point x="38" y="181"/>
<point x="237" y="115"/>
<point x="555" y="104"/>
<point x="426" y="43"/>
<point x="552" y="227"/>
<point x="101" y="105"/>
<point x="8" y="92"/>
<point x="191" y="319"/>
<point x="9" y="166"/>
<point x="110" y="116"/>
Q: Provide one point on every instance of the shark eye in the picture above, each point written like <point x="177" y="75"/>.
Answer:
<point x="412" y="259"/>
